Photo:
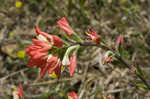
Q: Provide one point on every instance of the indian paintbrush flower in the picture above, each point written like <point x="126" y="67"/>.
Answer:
<point x="64" y="25"/>
<point x="94" y="36"/>
<point x="40" y="56"/>
<point x="73" y="95"/>
<point x="119" y="40"/>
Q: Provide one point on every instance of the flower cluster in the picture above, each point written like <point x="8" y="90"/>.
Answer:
<point x="39" y="53"/>
<point x="46" y="49"/>
<point x="44" y="52"/>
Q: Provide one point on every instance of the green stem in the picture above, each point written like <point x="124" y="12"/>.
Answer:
<point x="68" y="38"/>
<point x="123" y="61"/>
<point x="78" y="37"/>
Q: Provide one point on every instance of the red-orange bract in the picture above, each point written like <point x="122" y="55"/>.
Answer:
<point x="108" y="59"/>
<point x="73" y="95"/>
<point x="119" y="40"/>
<point x="51" y="38"/>
<point x="64" y="25"/>
<point x="39" y="53"/>
<point x="73" y="64"/>
<point x="110" y="97"/>
<point x="53" y="64"/>
<point x="94" y="36"/>
<point x="20" y="91"/>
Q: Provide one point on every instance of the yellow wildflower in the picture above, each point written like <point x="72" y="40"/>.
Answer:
<point x="11" y="34"/>
<point x="104" y="97"/>
<point x="60" y="94"/>
<point x="69" y="97"/>
<point x="21" y="54"/>
<point x="18" y="4"/>
<point x="53" y="75"/>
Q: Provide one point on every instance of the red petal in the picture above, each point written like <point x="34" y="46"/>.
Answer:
<point x="73" y="64"/>
<point x="52" y="62"/>
<point x="31" y="62"/>
<point x="39" y="56"/>
<point x="39" y="32"/>
<point x="58" y="42"/>
<point x="63" y="24"/>
<point x="53" y="66"/>
<point x="20" y="91"/>
<point x="73" y="95"/>
<point x="43" y="71"/>
<point x="58" y="71"/>
<point x="31" y="48"/>
<point x="110" y="97"/>
<point x="119" y="39"/>
<point x="92" y="32"/>
<point x="94" y="36"/>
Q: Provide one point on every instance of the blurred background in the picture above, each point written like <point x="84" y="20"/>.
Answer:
<point x="109" y="18"/>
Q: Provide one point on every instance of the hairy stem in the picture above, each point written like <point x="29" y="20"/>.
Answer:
<point x="123" y="61"/>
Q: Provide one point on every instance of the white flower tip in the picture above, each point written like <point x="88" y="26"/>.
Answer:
<point x="65" y="61"/>
<point x="49" y="56"/>
<point x="41" y="37"/>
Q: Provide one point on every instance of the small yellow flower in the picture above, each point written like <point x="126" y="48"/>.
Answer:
<point x="62" y="68"/>
<point x="11" y="34"/>
<point x="15" y="89"/>
<point x="60" y="94"/>
<point x="11" y="50"/>
<point x="69" y="97"/>
<point x="15" y="96"/>
<point x="104" y="97"/>
<point x="21" y="54"/>
<point x="53" y="75"/>
<point x="18" y="4"/>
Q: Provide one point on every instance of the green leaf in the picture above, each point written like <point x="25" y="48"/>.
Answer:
<point x="139" y="71"/>
<point x="141" y="84"/>
<point x="103" y="42"/>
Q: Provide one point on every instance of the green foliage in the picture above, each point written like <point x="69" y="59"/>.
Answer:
<point x="141" y="84"/>
<point x="139" y="71"/>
